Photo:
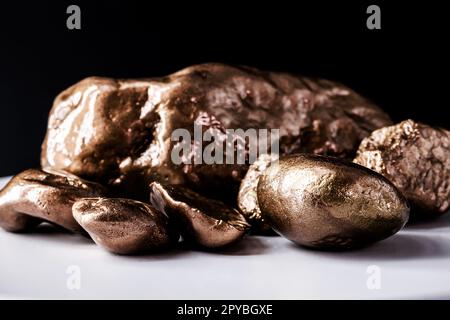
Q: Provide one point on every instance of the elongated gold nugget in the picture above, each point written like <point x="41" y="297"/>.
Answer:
<point x="202" y="221"/>
<point x="34" y="196"/>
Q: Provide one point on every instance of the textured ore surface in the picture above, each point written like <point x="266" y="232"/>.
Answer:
<point x="118" y="132"/>
<point x="416" y="158"/>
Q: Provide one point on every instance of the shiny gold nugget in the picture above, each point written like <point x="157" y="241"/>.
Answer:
<point x="124" y="226"/>
<point x="35" y="196"/>
<point x="205" y="222"/>
<point x="326" y="203"/>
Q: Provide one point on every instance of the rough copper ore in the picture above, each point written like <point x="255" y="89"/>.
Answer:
<point x="247" y="197"/>
<point x="416" y="158"/>
<point x="35" y="196"/>
<point x="328" y="203"/>
<point x="204" y="222"/>
<point x="124" y="226"/>
<point x="118" y="132"/>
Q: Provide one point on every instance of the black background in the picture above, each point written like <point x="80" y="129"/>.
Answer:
<point x="398" y="66"/>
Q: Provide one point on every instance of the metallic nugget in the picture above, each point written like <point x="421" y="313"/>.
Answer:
<point x="327" y="203"/>
<point x="416" y="158"/>
<point x="204" y="222"/>
<point x="118" y="132"/>
<point x="35" y="196"/>
<point x="247" y="197"/>
<point x="124" y="226"/>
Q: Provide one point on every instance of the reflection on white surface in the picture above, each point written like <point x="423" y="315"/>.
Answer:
<point x="413" y="264"/>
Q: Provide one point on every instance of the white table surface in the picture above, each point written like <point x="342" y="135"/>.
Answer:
<point x="415" y="263"/>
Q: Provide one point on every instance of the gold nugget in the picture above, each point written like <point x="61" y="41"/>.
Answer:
<point x="35" y="196"/>
<point x="327" y="203"/>
<point x="205" y="222"/>
<point x="124" y="226"/>
<point x="416" y="158"/>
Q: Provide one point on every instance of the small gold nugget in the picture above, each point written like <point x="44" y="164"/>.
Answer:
<point x="124" y="226"/>
<point x="205" y="222"/>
